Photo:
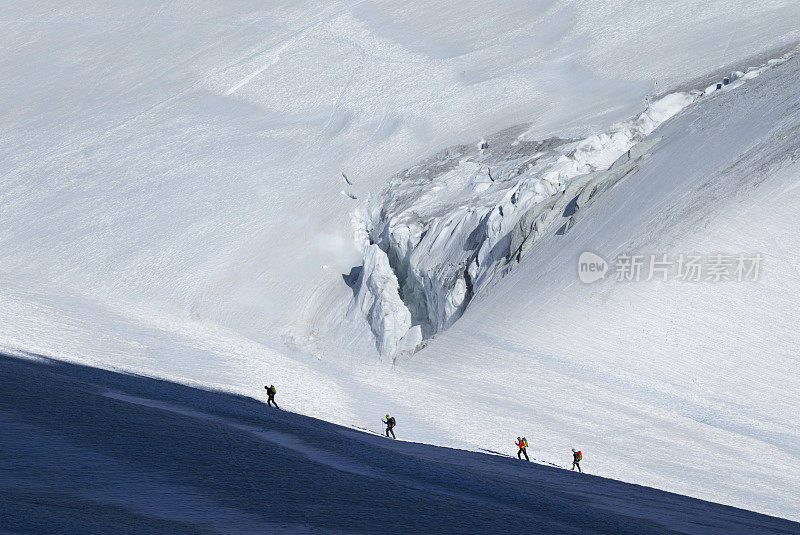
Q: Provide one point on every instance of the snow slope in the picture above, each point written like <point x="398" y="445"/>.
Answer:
<point x="88" y="451"/>
<point x="171" y="204"/>
<point x="185" y="159"/>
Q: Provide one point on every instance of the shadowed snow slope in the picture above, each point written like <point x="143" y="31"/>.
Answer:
<point x="93" y="452"/>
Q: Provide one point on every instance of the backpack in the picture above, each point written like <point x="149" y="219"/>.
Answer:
<point x="578" y="456"/>
<point x="390" y="421"/>
<point x="524" y="442"/>
<point x="271" y="390"/>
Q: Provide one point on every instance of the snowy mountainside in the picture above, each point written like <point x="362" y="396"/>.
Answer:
<point x="93" y="452"/>
<point x="173" y="203"/>
<point x="184" y="160"/>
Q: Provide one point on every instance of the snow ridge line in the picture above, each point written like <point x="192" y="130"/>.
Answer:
<point x="452" y="225"/>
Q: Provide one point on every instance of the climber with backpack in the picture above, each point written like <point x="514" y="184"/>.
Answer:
<point x="390" y="423"/>
<point x="522" y="444"/>
<point x="577" y="456"/>
<point x="271" y="396"/>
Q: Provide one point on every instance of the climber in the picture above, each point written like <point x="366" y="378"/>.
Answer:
<point x="271" y="396"/>
<point x="522" y="444"/>
<point x="390" y="423"/>
<point x="577" y="456"/>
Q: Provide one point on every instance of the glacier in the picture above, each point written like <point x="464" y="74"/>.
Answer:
<point x="449" y="225"/>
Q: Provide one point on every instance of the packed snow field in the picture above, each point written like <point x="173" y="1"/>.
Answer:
<point x="89" y="451"/>
<point x="306" y="193"/>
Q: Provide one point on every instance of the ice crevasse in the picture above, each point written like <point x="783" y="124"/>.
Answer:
<point x="446" y="228"/>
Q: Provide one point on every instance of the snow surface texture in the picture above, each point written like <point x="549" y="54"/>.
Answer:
<point x="88" y="451"/>
<point x="451" y="223"/>
<point x="185" y="160"/>
<point x="171" y="205"/>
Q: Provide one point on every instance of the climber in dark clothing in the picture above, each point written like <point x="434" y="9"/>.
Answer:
<point x="271" y="396"/>
<point x="390" y="423"/>
<point x="522" y="444"/>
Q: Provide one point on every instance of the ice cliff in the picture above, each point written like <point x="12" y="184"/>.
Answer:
<point x="446" y="228"/>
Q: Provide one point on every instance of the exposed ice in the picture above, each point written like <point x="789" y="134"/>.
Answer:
<point x="450" y="225"/>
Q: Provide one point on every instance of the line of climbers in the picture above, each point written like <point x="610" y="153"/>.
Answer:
<point x="522" y="444"/>
<point x="390" y="422"/>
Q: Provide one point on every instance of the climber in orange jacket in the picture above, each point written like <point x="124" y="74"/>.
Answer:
<point x="577" y="456"/>
<point x="522" y="444"/>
